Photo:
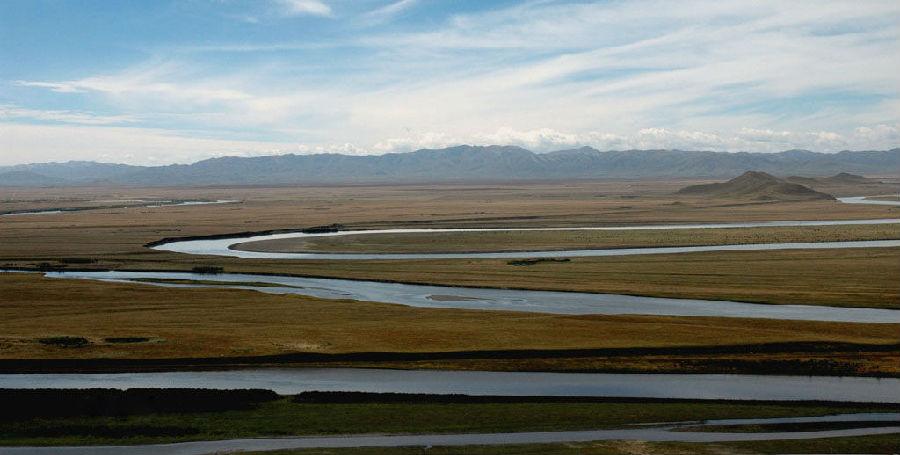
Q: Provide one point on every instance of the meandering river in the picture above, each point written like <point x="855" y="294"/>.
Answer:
<point x="225" y="246"/>
<point x="429" y="296"/>
<point x="688" y="386"/>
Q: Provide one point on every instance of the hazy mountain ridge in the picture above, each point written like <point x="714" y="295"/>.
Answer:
<point x="27" y="178"/>
<point x="74" y="171"/>
<point x="461" y="163"/>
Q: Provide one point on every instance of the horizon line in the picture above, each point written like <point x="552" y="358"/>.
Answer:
<point x="363" y="155"/>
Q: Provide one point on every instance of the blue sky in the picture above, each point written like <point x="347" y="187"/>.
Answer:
<point x="154" y="82"/>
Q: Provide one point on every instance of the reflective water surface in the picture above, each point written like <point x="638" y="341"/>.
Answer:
<point x="224" y="247"/>
<point x="428" y="296"/>
<point x="640" y="433"/>
<point x="865" y="200"/>
<point x="149" y="204"/>
<point x="297" y="380"/>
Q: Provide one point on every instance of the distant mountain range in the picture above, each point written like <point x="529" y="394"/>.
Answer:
<point x="462" y="163"/>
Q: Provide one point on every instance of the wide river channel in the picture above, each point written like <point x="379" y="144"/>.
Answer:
<point x="297" y="380"/>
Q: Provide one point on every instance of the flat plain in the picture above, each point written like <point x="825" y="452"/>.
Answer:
<point x="115" y="238"/>
<point x="126" y="418"/>
<point x="204" y="323"/>
<point x="500" y="240"/>
<point x="181" y="324"/>
<point x="55" y="325"/>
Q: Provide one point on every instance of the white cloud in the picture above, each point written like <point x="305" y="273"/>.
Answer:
<point x="60" y="87"/>
<point x="175" y="92"/>
<point x="878" y="137"/>
<point x="387" y="12"/>
<point x="410" y="143"/>
<point x="155" y="80"/>
<point x="41" y="143"/>
<point x="305" y="7"/>
<point x="85" y="118"/>
<point x="540" y="139"/>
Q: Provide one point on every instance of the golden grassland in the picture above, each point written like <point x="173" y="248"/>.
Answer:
<point x="451" y="242"/>
<point x="125" y="230"/>
<point x="857" y="277"/>
<point x="114" y="238"/>
<point x="206" y="323"/>
<point x="214" y="323"/>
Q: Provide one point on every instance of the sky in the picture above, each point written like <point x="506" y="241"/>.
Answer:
<point x="157" y="82"/>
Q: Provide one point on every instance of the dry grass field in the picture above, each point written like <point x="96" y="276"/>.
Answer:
<point x="114" y="238"/>
<point x="207" y="323"/>
<point x="217" y="323"/>
<point x="854" y="277"/>
<point x="125" y="230"/>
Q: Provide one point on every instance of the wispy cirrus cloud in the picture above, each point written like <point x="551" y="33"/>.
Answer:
<point x="387" y="12"/>
<point x="305" y="7"/>
<point x="59" y="87"/>
<point x="63" y="116"/>
<point x="145" y="146"/>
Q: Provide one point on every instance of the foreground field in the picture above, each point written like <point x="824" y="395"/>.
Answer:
<point x="134" y="321"/>
<point x="98" y="417"/>
<point x="886" y="444"/>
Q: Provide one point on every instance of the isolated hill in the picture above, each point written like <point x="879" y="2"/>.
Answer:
<point x="846" y="177"/>
<point x="755" y="185"/>
<point x="466" y="163"/>
<point x="803" y="180"/>
<point x="841" y="179"/>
